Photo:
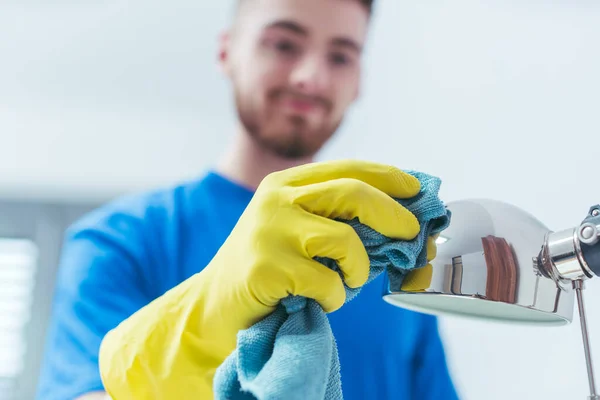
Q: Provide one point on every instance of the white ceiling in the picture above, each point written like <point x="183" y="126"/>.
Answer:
<point x="105" y="96"/>
<point x="100" y="97"/>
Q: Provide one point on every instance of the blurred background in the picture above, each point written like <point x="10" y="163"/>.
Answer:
<point x="498" y="98"/>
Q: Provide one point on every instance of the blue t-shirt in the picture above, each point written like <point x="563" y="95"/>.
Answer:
<point x="123" y="255"/>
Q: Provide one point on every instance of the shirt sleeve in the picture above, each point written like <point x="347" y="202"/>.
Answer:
<point x="99" y="284"/>
<point x="432" y="376"/>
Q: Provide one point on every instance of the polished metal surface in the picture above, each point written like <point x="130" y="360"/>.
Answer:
<point x="561" y="257"/>
<point x="589" y="233"/>
<point x="487" y="267"/>
<point x="578" y="286"/>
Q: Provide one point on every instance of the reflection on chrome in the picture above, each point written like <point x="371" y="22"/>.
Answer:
<point x="486" y="267"/>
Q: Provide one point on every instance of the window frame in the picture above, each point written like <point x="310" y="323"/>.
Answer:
<point x="44" y="223"/>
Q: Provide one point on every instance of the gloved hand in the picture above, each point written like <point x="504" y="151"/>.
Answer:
<point x="172" y="347"/>
<point x="419" y="279"/>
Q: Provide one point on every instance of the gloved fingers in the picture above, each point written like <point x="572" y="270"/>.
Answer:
<point x="390" y="180"/>
<point x="349" y="198"/>
<point x="314" y="280"/>
<point x="339" y="241"/>
<point x="431" y="248"/>
<point x="418" y="279"/>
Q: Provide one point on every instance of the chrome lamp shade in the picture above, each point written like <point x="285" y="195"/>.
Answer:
<point x="497" y="262"/>
<point x="486" y="268"/>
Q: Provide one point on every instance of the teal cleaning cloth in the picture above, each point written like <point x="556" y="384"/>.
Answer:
<point x="292" y="354"/>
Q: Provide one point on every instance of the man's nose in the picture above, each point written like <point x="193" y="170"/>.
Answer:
<point x="310" y="75"/>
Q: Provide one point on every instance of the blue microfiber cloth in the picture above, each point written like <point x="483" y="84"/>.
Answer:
<point x="292" y="353"/>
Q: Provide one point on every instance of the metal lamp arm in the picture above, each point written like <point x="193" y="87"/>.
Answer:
<point x="588" y="234"/>
<point x="572" y="256"/>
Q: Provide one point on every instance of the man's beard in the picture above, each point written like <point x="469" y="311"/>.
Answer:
<point x="295" y="143"/>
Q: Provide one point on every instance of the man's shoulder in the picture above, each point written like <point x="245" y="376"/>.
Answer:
<point x="132" y="232"/>
<point x="143" y="209"/>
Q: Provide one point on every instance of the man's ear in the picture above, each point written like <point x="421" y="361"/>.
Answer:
<point x="224" y="53"/>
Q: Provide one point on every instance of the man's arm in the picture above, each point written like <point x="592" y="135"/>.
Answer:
<point x="99" y="285"/>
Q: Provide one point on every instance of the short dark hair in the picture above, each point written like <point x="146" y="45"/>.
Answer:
<point x="367" y="3"/>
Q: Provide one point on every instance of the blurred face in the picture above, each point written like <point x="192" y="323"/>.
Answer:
<point x="295" y="68"/>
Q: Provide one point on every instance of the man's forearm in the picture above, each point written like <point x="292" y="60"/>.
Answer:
<point x="170" y="344"/>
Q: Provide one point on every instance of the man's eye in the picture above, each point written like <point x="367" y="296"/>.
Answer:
<point x="286" y="47"/>
<point x="339" y="59"/>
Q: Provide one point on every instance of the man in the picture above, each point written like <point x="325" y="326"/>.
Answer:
<point x="154" y="287"/>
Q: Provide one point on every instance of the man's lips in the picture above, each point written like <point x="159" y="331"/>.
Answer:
<point x="301" y="106"/>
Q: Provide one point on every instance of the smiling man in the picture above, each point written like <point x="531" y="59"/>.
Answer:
<point x="153" y="288"/>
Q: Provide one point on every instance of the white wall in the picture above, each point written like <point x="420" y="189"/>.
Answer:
<point x="499" y="98"/>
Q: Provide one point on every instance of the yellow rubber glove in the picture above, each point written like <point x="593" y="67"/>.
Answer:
<point x="419" y="279"/>
<point x="171" y="348"/>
